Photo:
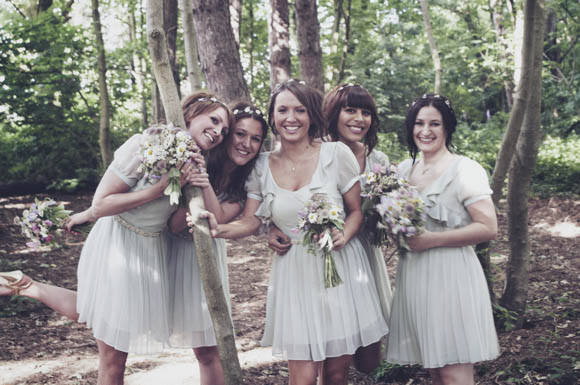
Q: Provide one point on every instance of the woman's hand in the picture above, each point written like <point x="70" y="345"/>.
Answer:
<point x="425" y="240"/>
<point x="80" y="218"/>
<point x="213" y="225"/>
<point x="193" y="172"/>
<point x="279" y="242"/>
<point x="338" y="240"/>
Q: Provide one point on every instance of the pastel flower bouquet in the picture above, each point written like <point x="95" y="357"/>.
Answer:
<point x="165" y="149"/>
<point x="391" y="207"/>
<point x="43" y="223"/>
<point x="317" y="219"/>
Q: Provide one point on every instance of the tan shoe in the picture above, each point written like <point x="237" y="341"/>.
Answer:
<point x="14" y="281"/>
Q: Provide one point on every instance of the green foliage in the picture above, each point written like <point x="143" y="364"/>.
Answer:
<point x="504" y="318"/>
<point x="558" y="166"/>
<point x="556" y="369"/>
<point x="387" y="372"/>
<point x="389" y="144"/>
<point x="46" y="130"/>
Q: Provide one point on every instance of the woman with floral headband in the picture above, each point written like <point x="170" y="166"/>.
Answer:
<point x="307" y="323"/>
<point x="441" y="316"/>
<point x="123" y="287"/>
<point x="223" y="190"/>
<point x="351" y="118"/>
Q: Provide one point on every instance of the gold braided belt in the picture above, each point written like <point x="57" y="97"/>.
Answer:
<point x="136" y="230"/>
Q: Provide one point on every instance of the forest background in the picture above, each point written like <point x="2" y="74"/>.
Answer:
<point x="76" y="80"/>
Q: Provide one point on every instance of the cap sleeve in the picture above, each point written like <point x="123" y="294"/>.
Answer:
<point x="126" y="161"/>
<point x="348" y="169"/>
<point x="473" y="182"/>
<point x="253" y="183"/>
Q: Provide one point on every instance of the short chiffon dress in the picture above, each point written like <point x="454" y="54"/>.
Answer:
<point x="441" y="312"/>
<point x="190" y="322"/>
<point x="375" y="255"/>
<point x="123" y="290"/>
<point x="305" y="320"/>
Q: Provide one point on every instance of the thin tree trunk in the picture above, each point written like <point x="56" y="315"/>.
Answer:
<point x="220" y="59"/>
<point x="170" y="27"/>
<point x="105" y="111"/>
<point x="236" y="19"/>
<point x="251" y="45"/>
<point x="497" y="20"/>
<point x="279" y="41"/>
<point x="190" y="41"/>
<point x="521" y="172"/>
<point x="346" y="42"/>
<point x="334" y="69"/>
<point x="512" y="132"/>
<point x="433" y="46"/>
<point x="310" y="53"/>
<point x="157" y="111"/>
<point x="139" y="68"/>
<point x="204" y="244"/>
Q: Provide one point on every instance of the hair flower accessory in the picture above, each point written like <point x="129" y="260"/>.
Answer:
<point x="348" y="85"/>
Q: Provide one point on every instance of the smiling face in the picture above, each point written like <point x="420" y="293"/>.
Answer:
<point x="208" y="129"/>
<point x="245" y="141"/>
<point x="291" y="117"/>
<point x="428" y="132"/>
<point x="353" y="124"/>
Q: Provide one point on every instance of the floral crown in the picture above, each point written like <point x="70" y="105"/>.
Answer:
<point x="349" y="85"/>
<point x="248" y="110"/>
<point x="210" y="99"/>
<point x="434" y="96"/>
<point x="279" y="85"/>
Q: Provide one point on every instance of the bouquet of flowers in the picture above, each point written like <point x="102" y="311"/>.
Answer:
<point x="391" y="205"/>
<point x="317" y="219"/>
<point x="42" y="223"/>
<point x="163" y="150"/>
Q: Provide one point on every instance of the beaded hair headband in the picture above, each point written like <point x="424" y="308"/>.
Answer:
<point x="279" y="85"/>
<point x="212" y="99"/>
<point x="349" y="85"/>
<point x="248" y="110"/>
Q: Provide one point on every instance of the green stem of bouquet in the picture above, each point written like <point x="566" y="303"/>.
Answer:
<point x="331" y="276"/>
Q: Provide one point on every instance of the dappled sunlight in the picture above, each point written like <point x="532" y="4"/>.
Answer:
<point x="563" y="229"/>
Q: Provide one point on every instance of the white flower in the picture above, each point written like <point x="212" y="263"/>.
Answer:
<point x="325" y="241"/>
<point x="334" y="213"/>
<point x="312" y="218"/>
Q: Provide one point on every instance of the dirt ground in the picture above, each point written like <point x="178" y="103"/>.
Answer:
<point x="37" y="346"/>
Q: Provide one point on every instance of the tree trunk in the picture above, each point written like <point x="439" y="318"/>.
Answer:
<point x="190" y="41"/>
<point x="157" y="111"/>
<point x="105" y="111"/>
<point x="203" y="242"/>
<point x="334" y="69"/>
<point x="309" y="53"/>
<point x="346" y="42"/>
<point x="433" y="46"/>
<point x="279" y="41"/>
<point x="220" y="59"/>
<point x="521" y="172"/>
<point x="138" y="67"/>
<point x="170" y="27"/>
<point x="251" y="42"/>
<point x="236" y="19"/>
<point x="512" y="133"/>
<point x="497" y="20"/>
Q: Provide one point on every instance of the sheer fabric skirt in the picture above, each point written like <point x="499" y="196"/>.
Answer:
<point x="123" y="292"/>
<point x="306" y="321"/>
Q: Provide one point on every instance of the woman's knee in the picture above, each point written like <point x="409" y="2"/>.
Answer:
<point x="206" y="355"/>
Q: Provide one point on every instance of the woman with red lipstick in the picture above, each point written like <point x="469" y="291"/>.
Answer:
<point x="123" y="287"/>
<point x="441" y="315"/>
<point x="307" y="324"/>
<point x="224" y="193"/>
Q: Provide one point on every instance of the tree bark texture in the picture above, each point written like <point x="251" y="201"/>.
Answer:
<point x="220" y="59"/>
<point x="432" y="46"/>
<point x="346" y="42"/>
<point x="203" y="241"/>
<point x="309" y="52"/>
<point x="190" y="41"/>
<point x="498" y="21"/>
<point x="279" y="42"/>
<point x="105" y="110"/>
<point x="521" y="171"/>
<point x="236" y="19"/>
<point x="512" y="132"/>
<point x="334" y="68"/>
<point x="138" y="67"/>
<point x="170" y="28"/>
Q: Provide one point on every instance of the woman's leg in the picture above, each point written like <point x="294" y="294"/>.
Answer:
<point x="111" y="365"/>
<point x="303" y="372"/>
<point x="368" y="358"/>
<point x="435" y="376"/>
<point x="457" y="374"/>
<point x="61" y="300"/>
<point x="335" y="370"/>
<point x="210" y="365"/>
